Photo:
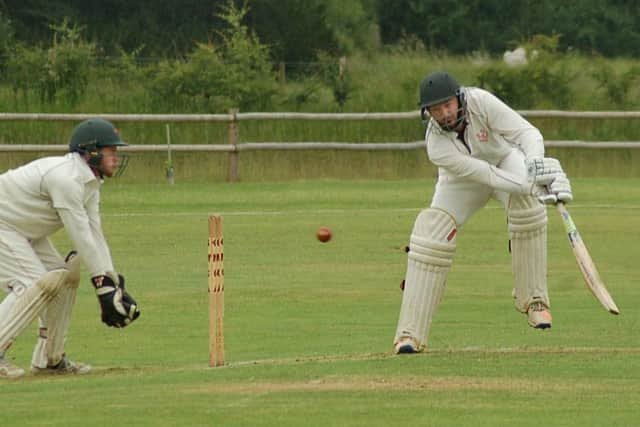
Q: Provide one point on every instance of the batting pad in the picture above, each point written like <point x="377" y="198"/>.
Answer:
<point x="55" y="319"/>
<point x="528" y="234"/>
<point x="431" y="252"/>
<point x="29" y="304"/>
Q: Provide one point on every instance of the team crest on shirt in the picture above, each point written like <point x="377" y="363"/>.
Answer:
<point x="483" y="135"/>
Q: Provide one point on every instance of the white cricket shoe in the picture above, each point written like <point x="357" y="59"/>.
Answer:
<point x="9" y="370"/>
<point x="539" y="316"/>
<point x="406" y="345"/>
<point x="65" y="366"/>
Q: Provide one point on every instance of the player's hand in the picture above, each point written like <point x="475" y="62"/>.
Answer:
<point x="543" y="170"/>
<point x="543" y="194"/>
<point x="561" y="188"/>
<point x="548" y="181"/>
<point x="118" y="308"/>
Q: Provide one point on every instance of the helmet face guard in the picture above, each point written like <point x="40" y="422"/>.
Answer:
<point x="439" y="87"/>
<point x="92" y="135"/>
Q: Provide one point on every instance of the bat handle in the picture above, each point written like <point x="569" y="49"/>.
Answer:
<point x="561" y="207"/>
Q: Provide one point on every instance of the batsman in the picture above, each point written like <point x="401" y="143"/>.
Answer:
<point x="483" y="149"/>
<point x="36" y="200"/>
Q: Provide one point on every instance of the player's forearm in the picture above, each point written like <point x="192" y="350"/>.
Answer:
<point x="482" y="172"/>
<point x="83" y="240"/>
<point x="508" y="182"/>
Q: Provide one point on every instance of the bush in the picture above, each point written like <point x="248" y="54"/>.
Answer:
<point x="25" y="62"/>
<point x="545" y="80"/>
<point x="237" y="73"/>
<point x="6" y="40"/>
<point x="621" y="88"/>
<point x="335" y="73"/>
<point x="63" y="69"/>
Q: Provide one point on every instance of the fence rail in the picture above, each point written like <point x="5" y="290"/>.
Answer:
<point x="265" y="146"/>
<point x="234" y="147"/>
<point x="235" y="116"/>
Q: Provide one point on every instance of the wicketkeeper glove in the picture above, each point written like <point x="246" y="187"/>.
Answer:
<point x="117" y="306"/>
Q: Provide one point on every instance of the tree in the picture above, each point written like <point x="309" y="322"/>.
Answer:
<point x="62" y="69"/>
<point x="609" y="27"/>
<point x="6" y="39"/>
<point x="234" y="72"/>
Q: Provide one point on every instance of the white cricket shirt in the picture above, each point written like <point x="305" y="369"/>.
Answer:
<point x="41" y="197"/>
<point x="493" y="130"/>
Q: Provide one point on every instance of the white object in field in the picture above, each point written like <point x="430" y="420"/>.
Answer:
<point x="516" y="57"/>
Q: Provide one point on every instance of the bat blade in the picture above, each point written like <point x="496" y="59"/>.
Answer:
<point x="586" y="264"/>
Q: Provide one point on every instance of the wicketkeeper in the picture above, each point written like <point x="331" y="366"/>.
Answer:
<point x="36" y="200"/>
<point x="483" y="149"/>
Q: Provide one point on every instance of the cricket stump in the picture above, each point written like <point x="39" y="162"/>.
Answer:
<point x="216" y="291"/>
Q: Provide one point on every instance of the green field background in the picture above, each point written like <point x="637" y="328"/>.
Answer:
<point x="309" y="326"/>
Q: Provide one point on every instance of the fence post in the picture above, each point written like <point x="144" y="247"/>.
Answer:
<point x="342" y="66"/>
<point x="169" y="166"/>
<point x="234" y="139"/>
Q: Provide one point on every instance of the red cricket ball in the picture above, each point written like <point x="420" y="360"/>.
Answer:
<point x="323" y="234"/>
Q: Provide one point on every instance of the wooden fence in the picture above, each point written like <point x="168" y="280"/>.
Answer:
<point x="235" y="146"/>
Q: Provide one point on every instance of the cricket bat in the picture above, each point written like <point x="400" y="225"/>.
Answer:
<point x="587" y="267"/>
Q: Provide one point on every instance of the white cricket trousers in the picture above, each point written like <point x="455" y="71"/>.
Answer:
<point x="22" y="263"/>
<point x="462" y="198"/>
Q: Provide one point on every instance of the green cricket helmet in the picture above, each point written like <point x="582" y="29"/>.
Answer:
<point x="439" y="87"/>
<point x="91" y="135"/>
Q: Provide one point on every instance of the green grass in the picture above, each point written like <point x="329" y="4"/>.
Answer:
<point x="309" y="326"/>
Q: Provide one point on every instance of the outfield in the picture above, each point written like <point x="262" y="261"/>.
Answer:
<point x="309" y="326"/>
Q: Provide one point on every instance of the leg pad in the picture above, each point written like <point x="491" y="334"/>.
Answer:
<point x="431" y="251"/>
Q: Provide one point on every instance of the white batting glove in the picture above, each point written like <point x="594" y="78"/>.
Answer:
<point x="543" y="194"/>
<point x="561" y="188"/>
<point x="548" y="181"/>
<point x="543" y="170"/>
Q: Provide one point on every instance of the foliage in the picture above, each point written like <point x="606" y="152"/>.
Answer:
<point x="23" y="62"/>
<point x="189" y="86"/>
<point x="297" y="30"/>
<point x="303" y="92"/>
<point x="335" y="73"/>
<point x="68" y="62"/>
<point x="6" y="39"/>
<point x="234" y="73"/>
<point x="168" y="28"/>
<point x="351" y="24"/>
<point x="163" y="27"/>
<point x="125" y="67"/>
<point x="621" y="88"/>
<point x="61" y="70"/>
<point x="461" y="26"/>
<point x="543" y="81"/>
